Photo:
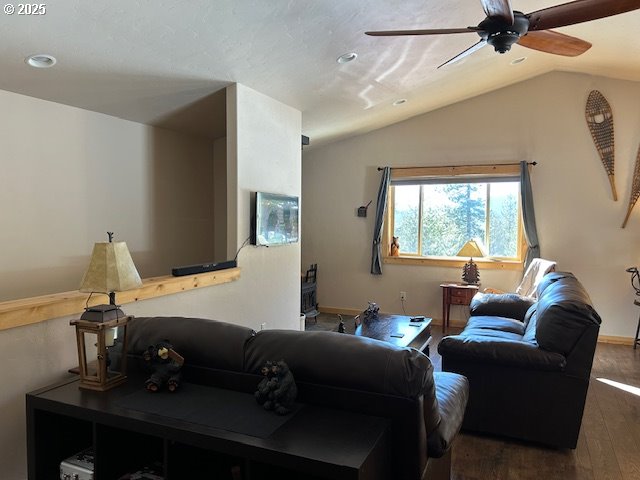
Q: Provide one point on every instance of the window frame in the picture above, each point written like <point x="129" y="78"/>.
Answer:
<point x="474" y="172"/>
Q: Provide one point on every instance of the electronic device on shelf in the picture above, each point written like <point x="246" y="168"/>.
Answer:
<point x="202" y="267"/>
<point x="78" y="466"/>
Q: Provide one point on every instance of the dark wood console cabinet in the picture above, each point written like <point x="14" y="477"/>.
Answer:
<point x="313" y="443"/>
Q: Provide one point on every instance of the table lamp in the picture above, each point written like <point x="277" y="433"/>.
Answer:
<point x="111" y="270"/>
<point x="470" y="273"/>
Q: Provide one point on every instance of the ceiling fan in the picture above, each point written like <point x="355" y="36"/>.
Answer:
<point x="503" y="26"/>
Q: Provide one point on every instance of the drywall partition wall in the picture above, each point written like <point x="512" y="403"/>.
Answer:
<point x="263" y="154"/>
<point x="541" y="119"/>
<point x="268" y="159"/>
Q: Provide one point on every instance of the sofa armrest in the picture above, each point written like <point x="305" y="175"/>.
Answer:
<point x="452" y="391"/>
<point x="510" y="305"/>
<point x="502" y="351"/>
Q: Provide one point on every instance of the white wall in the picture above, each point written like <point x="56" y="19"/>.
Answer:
<point x="69" y="175"/>
<point x="268" y="153"/>
<point x="541" y="119"/>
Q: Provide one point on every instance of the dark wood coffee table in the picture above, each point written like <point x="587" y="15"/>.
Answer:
<point x="396" y="329"/>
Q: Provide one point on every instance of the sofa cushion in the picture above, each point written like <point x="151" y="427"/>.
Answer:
<point x="503" y="348"/>
<point x="452" y="392"/>
<point x="480" y="333"/>
<point x="510" y="305"/>
<point x="564" y="313"/>
<point x="200" y="341"/>
<point x="496" y="323"/>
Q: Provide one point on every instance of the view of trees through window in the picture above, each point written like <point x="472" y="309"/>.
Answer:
<point x="454" y="213"/>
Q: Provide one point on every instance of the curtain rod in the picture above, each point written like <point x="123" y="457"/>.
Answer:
<point x="498" y="164"/>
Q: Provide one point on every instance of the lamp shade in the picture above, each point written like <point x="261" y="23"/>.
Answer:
<point x="471" y="249"/>
<point x="111" y="269"/>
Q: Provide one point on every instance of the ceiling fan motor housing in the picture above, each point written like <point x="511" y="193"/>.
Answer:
<point x="502" y="35"/>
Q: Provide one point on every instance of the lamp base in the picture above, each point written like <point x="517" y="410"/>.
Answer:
<point x="87" y="384"/>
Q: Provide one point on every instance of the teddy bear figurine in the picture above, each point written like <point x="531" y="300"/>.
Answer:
<point x="165" y="364"/>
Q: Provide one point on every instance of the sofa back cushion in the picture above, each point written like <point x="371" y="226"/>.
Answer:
<point x="509" y="305"/>
<point x="201" y="342"/>
<point x="564" y="312"/>
<point x="343" y="360"/>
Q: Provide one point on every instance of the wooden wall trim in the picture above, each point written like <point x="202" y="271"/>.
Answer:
<point x="614" y="340"/>
<point x="510" y="169"/>
<point x="25" y="311"/>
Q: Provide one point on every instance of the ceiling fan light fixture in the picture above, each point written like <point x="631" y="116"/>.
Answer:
<point x="347" y="57"/>
<point x="41" y="60"/>
<point x="502" y="41"/>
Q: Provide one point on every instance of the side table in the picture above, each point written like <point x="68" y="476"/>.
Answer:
<point x="454" y="293"/>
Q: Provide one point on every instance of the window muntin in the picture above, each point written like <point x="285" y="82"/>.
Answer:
<point x="435" y="218"/>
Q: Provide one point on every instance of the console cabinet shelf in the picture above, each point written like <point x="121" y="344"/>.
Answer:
<point x="314" y="443"/>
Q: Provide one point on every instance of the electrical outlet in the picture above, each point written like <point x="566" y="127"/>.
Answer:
<point x="403" y="296"/>
<point x="263" y="325"/>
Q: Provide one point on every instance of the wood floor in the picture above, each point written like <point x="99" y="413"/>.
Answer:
<point x="608" y="446"/>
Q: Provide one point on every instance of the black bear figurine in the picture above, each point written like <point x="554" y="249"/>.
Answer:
<point x="277" y="391"/>
<point x="165" y="364"/>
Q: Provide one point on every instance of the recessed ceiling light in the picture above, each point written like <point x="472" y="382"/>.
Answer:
<point x="401" y="101"/>
<point x="518" y="60"/>
<point x="41" y="60"/>
<point x="347" y="57"/>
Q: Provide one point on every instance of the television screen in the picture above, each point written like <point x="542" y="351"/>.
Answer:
<point x="275" y="219"/>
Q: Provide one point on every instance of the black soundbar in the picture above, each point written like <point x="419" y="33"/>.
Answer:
<point x="202" y="267"/>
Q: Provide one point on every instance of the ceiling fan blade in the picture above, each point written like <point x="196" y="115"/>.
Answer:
<point x="554" y="42"/>
<point x="468" y="51"/>
<point x="578" y="11"/>
<point x="498" y="9"/>
<point x="437" y="31"/>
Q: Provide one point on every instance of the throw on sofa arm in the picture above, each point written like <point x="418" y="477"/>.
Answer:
<point x="510" y="305"/>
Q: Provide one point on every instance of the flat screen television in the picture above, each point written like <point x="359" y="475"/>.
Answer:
<point x="274" y="219"/>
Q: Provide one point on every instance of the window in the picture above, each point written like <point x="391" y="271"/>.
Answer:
<point x="435" y="211"/>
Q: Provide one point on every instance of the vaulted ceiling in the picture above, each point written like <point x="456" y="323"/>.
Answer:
<point x="161" y="62"/>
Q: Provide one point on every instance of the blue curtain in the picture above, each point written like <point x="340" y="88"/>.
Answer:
<point x="381" y="207"/>
<point x="528" y="215"/>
